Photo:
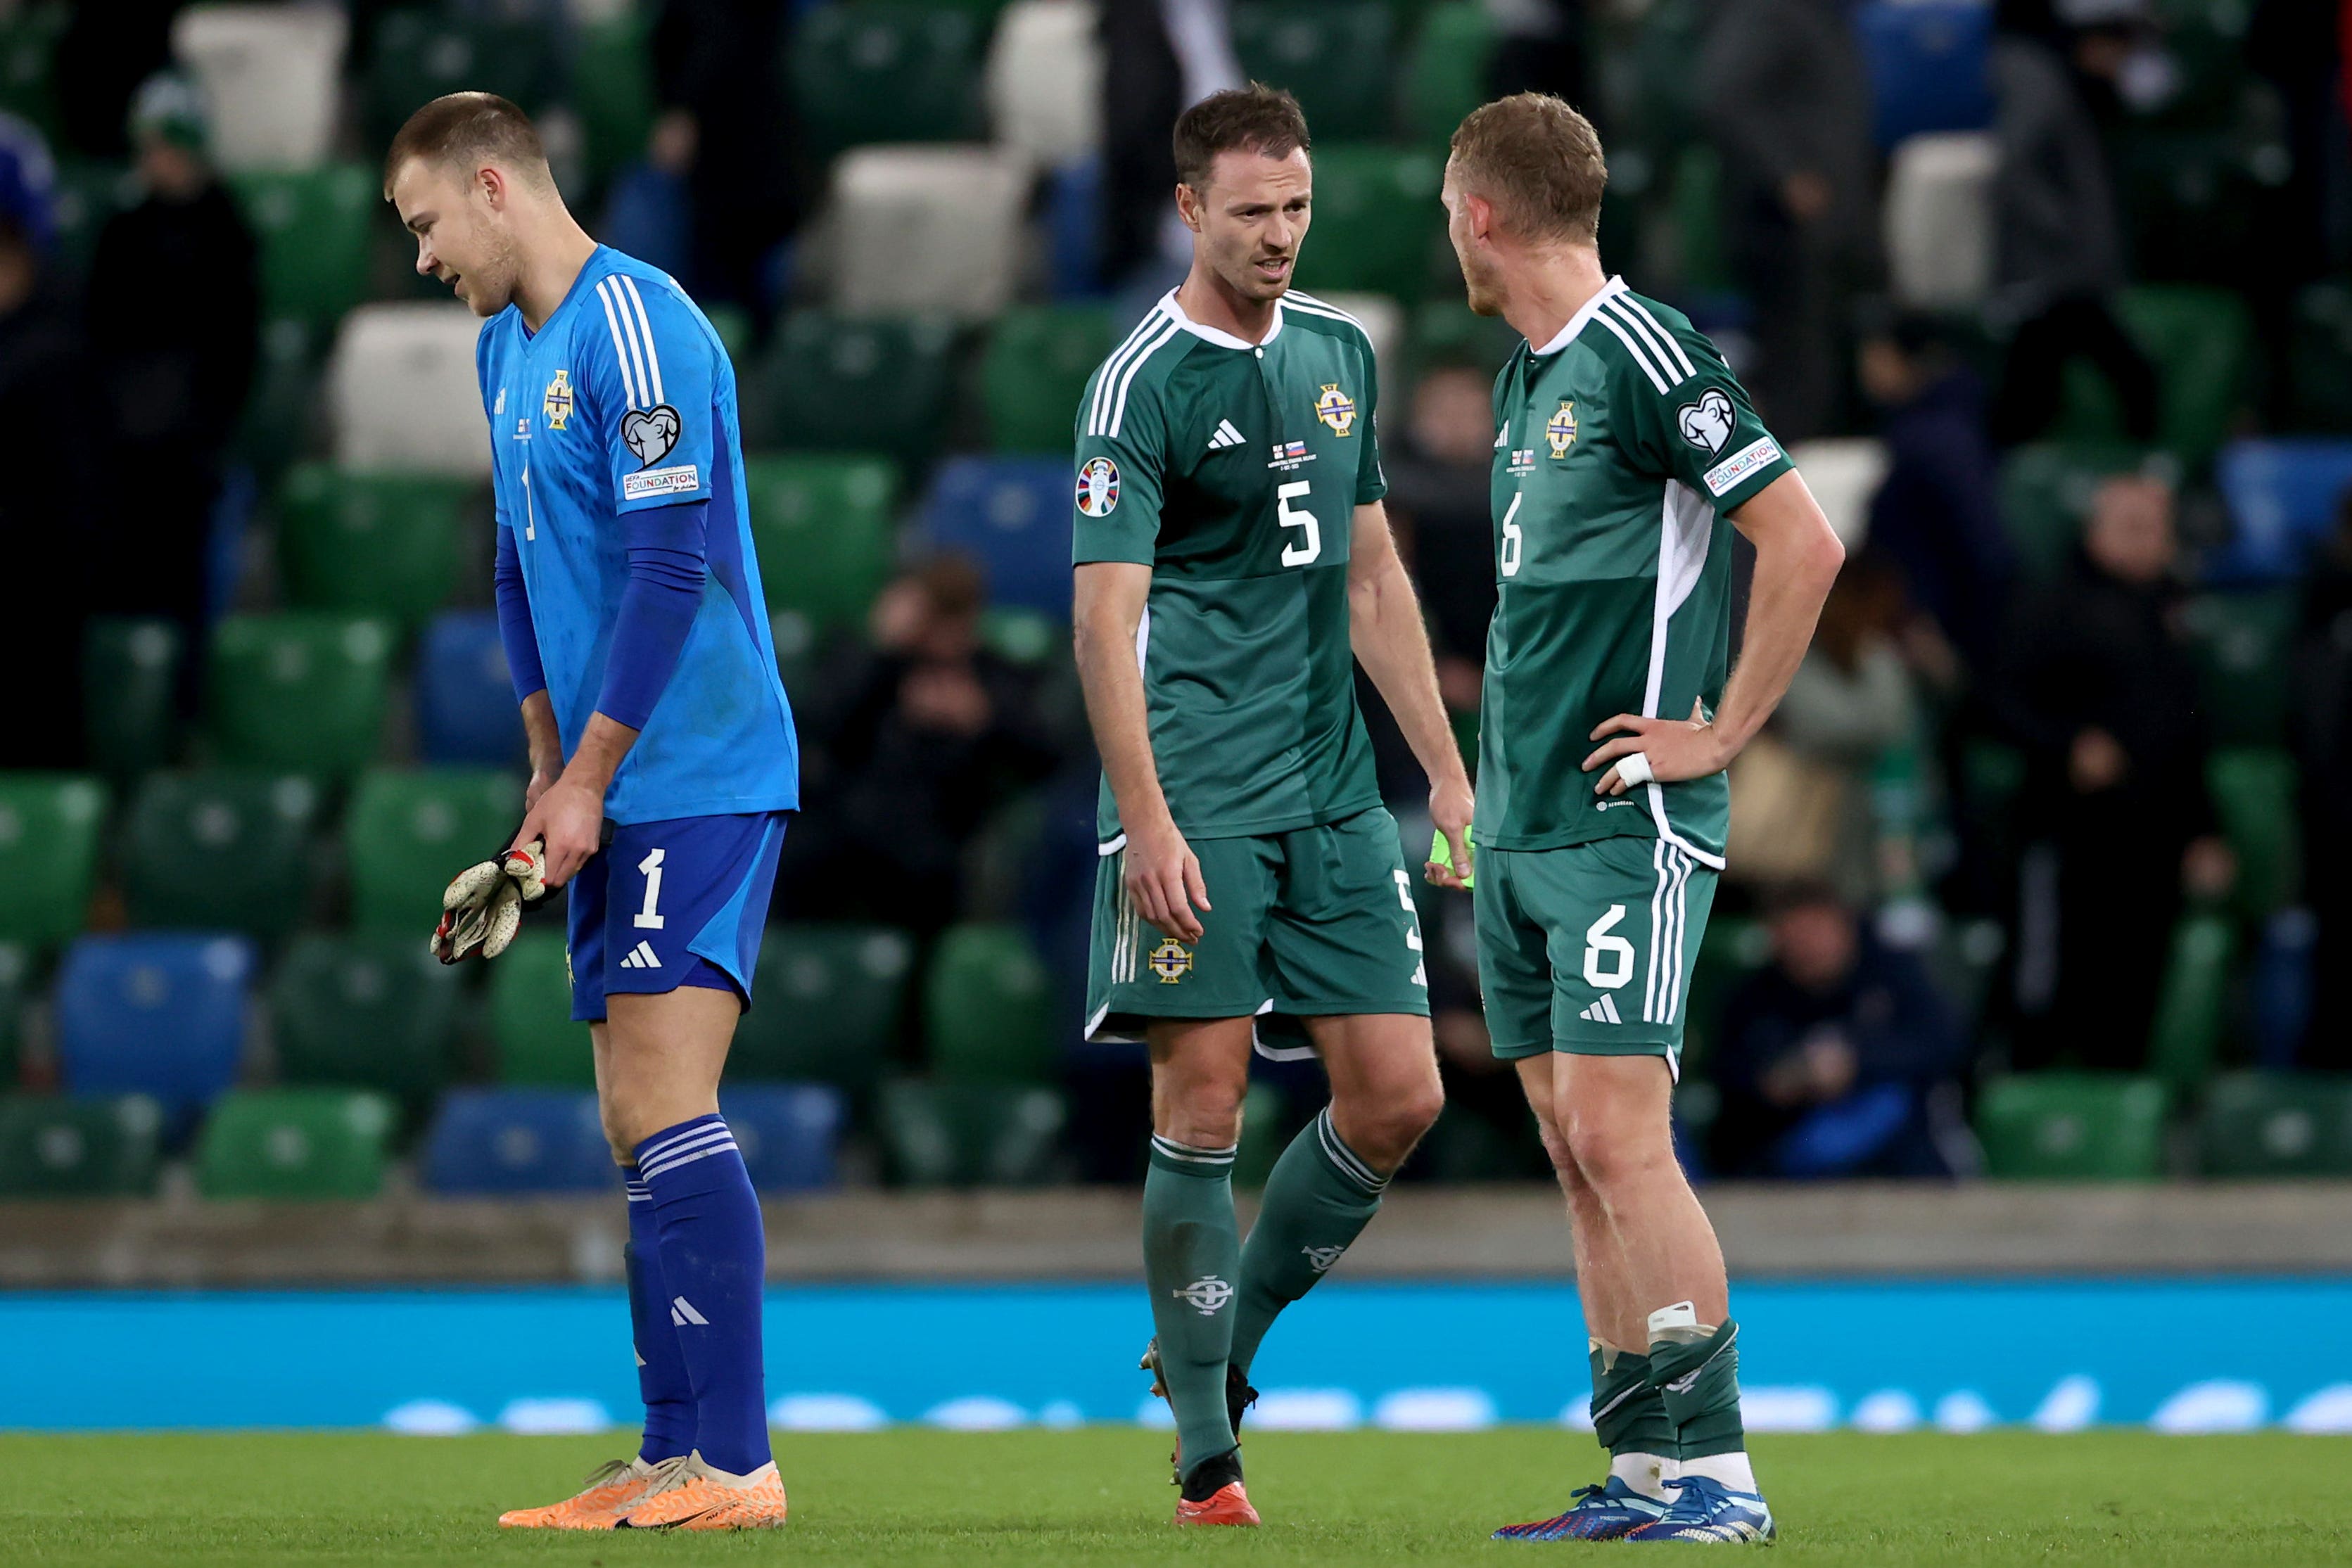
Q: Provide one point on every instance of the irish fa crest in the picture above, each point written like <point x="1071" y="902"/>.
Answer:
<point x="1336" y="409"/>
<point x="557" y="404"/>
<point x="1207" y="1294"/>
<point x="1099" y="487"/>
<point x="1560" y="430"/>
<point x="1171" y="961"/>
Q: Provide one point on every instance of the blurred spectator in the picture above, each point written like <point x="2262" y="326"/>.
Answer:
<point x="2322" y="709"/>
<point x="909" y="746"/>
<point x="1440" y="477"/>
<point x="1786" y="96"/>
<point x="1839" y="1058"/>
<point x="2058" y="246"/>
<point x="173" y="312"/>
<point x="1159" y="57"/>
<point x="50" y="530"/>
<point x="1937" y="515"/>
<point x="2099" y="690"/>
<point x="726" y="128"/>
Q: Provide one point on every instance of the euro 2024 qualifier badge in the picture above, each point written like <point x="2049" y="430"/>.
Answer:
<point x="1098" y="487"/>
<point x="1336" y="409"/>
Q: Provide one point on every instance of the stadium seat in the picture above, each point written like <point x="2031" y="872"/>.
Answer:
<point x="948" y="218"/>
<point x="466" y="713"/>
<point x="2068" y="1126"/>
<point x="403" y="392"/>
<point x="826" y="535"/>
<point x="1044" y="80"/>
<point x="15" y="976"/>
<point x="971" y="1135"/>
<point x="505" y="1142"/>
<point x="788" y="1132"/>
<point x="1929" y="65"/>
<point x="409" y="832"/>
<point x="50" y="824"/>
<point x="2046" y="490"/>
<point x="2244" y="645"/>
<point x="1381" y="318"/>
<point x="1696" y="205"/>
<point x="884" y="71"/>
<point x="220" y="849"/>
<point x="986" y="1012"/>
<point x="1843" y="471"/>
<point x="294" y="1144"/>
<point x="1445" y="73"/>
<point x="531" y="1016"/>
<point x="160" y="1014"/>
<point x="1378" y="226"/>
<point x="2273" y="1126"/>
<point x="2190" y="199"/>
<point x="1937" y="217"/>
<point x="418" y="53"/>
<point x="2319" y="358"/>
<point x="57" y="1147"/>
<point x="311" y="226"/>
<point x="833" y="384"/>
<point x="734" y="327"/>
<point x="271" y="77"/>
<point x="1333" y="54"/>
<point x="613" y="88"/>
<point x="1071" y="229"/>
<point x="1266" y="1131"/>
<point x="365" y="1012"/>
<point x="29" y="53"/>
<point x="300" y="691"/>
<point x="369" y="544"/>
<point x="130" y="686"/>
<point x="2201" y="342"/>
<point x="826" y="1006"/>
<point x="2192" y="1007"/>
<point x="2283" y="497"/>
<point x="1034" y="373"/>
<point x="1012" y="515"/>
<point x="283" y="421"/>
<point x="2255" y="793"/>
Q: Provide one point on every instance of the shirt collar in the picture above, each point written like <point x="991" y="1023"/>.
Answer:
<point x="1567" y="334"/>
<point x="1175" y="312"/>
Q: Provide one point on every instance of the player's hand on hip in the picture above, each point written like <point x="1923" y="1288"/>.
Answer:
<point x="1451" y="807"/>
<point x="1164" y="881"/>
<point x="1671" y="750"/>
<point x="570" y="817"/>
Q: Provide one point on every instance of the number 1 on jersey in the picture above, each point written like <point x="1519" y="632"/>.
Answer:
<point x="649" y="918"/>
<point x="1310" y="543"/>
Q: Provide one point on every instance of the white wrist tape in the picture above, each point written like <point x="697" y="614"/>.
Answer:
<point x="1633" y="767"/>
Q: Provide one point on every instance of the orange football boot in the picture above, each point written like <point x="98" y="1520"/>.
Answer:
<point x="612" y="1488"/>
<point x="699" y="1498"/>
<point x="1229" y="1504"/>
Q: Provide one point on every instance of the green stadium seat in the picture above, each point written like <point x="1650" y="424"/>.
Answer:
<point x="531" y="1016"/>
<point x="885" y="72"/>
<point x="2071" y="1127"/>
<point x="282" y="419"/>
<point x="1266" y="1131"/>
<point x="294" y="1144"/>
<point x="733" y="325"/>
<point x="1446" y="74"/>
<point x="613" y="90"/>
<point x="825" y="531"/>
<point x="2207" y="42"/>
<point x="369" y="544"/>
<point x="835" y="383"/>
<point x="2188" y="199"/>
<point x="2201" y="342"/>
<point x="1333" y="56"/>
<point x="986" y="1012"/>
<point x="15" y="977"/>
<point x="311" y="225"/>
<point x="28" y="57"/>
<point x="1448" y="330"/>
<point x="365" y="1012"/>
<point x="301" y="690"/>
<point x="1696" y="203"/>
<point x="416" y="54"/>
<point x="970" y="1135"/>
<point x="1378" y="227"/>
<point x="1034" y="373"/>
<point x="827" y="1004"/>
<point x="130" y="694"/>
<point x="52" y="1146"/>
<point x="2273" y="1125"/>
<point x="409" y="832"/>
<point x="1024" y="637"/>
<point x="2253" y="789"/>
<point x="2045" y="492"/>
<point x="2319" y="360"/>
<point x="50" y="824"/>
<point x="2192" y="1007"/>
<point x="220" y="850"/>
<point x="2244" y="647"/>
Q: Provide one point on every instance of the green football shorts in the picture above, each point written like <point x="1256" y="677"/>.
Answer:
<point x="1315" y="921"/>
<point x="1588" y="949"/>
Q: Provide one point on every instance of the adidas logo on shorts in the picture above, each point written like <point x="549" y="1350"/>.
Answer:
<point x="641" y="956"/>
<point x="1603" y="1012"/>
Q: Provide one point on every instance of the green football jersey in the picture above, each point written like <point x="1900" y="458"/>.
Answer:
<point x="1233" y="470"/>
<point x="1620" y="445"/>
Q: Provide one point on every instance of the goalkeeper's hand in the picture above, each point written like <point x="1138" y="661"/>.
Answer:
<point x="481" y="910"/>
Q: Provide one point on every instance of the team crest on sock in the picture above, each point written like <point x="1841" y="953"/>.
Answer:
<point x="1207" y="1294"/>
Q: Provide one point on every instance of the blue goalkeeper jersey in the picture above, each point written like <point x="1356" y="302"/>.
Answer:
<point x="623" y="399"/>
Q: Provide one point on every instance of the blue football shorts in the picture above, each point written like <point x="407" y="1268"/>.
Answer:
<point x="678" y="902"/>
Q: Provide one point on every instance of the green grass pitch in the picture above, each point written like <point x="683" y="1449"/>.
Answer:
<point x="1099" y="1496"/>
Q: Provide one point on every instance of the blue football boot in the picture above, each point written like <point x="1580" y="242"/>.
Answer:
<point x="1707" y="1511"/>
<point x="1606" y="1512"/>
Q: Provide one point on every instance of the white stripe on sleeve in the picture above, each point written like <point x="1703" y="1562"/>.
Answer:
<point x="653" y="357"/>
<point x="620" y="348"/>
<point x="1632" y="348"/>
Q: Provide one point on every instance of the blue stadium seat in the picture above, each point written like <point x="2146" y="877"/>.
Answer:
<point x="1012" y="515"/>
<point x="161" y="1014"/>
<point x="506" y="1141"/>
<point x="787" y="1132"/>
<point x="2281" y="496"/>
<point x="1928" y="62"/>
<point x="465" y="699"/>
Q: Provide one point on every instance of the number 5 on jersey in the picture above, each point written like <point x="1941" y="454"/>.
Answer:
<point x="1310" y="543"/>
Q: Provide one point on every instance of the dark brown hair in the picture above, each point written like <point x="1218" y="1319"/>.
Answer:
<point x="1252" y="118"/>
<point x="1538" y="161"/>
<point x="470" y="128"/>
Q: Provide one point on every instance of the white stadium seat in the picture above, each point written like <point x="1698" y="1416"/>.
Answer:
<point x="404" y="393"/>
<point x="1044" y="80"/>
<point x="923" y="229"/>
<point x="1383" y="319"/>
<point x="1844" y="474"/>
<point x="1939" y="219"/>
<point x="270" y="77"/>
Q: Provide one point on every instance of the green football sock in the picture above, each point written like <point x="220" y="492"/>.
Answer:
<point x="1628" y="1416"/>
<point x="1191" y="1252"/>
<point x="1317" y="1201"/>
<point x="1699" y="1377"/>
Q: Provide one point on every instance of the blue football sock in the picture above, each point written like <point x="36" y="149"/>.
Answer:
<point x="714" y="1256"/>
<point x="662" y="1379"/>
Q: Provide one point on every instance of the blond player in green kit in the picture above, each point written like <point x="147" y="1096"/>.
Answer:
<point x="1624" y="455"/>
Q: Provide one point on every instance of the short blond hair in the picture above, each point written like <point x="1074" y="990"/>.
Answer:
<point x="1538" y="161"/>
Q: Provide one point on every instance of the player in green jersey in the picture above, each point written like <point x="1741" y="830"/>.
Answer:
<point x="1232" y="564"/>
<point x="1624" y="455"/>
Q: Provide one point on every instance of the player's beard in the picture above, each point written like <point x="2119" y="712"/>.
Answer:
<point x="489" y="287"/>
<point x="1484" y="285"/>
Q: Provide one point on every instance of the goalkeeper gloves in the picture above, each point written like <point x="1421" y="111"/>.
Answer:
<point x="482" y="908"/>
